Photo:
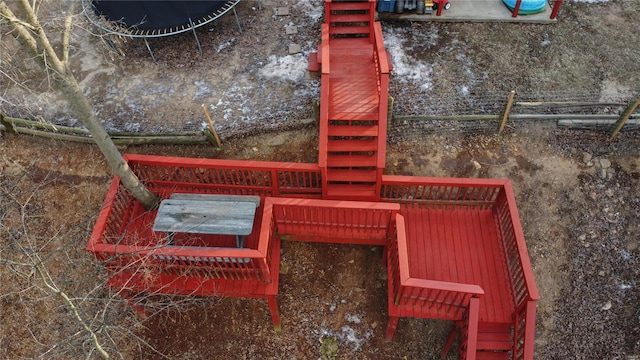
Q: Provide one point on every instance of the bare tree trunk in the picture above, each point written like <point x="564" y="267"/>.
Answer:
<point x="34" y="40"/>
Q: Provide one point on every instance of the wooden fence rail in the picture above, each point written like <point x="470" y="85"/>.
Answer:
<point x="630" y="118"/>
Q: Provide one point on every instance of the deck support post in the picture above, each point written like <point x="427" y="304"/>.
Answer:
<point x="391" y="327"/>
<point x="275" y="313"/>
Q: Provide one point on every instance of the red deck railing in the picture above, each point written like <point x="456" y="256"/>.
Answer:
<point x="110" y="245"/>
<point x="170" y="174"/>
<point x="472" y="192"/>
<point x="444" y="300"/>
<point x="352" y="222"/>
<point x="521" y="274"/>
<point x="382" y="71"/>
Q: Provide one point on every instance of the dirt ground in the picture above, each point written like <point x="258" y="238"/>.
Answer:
<point x="577" y="193"/>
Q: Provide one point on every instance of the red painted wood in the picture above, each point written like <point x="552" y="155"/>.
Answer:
<point x="443" y="237"/>
<point x="471" y="331"/>
<point x="351" y="160"/>
<point x="354" y="5"/>
<point x="314" y="64"/>
<point x="349" y="18"/>
<point x="491" y="355"/>
<point x="353" y="131"/>
<point x="352" y="145"/>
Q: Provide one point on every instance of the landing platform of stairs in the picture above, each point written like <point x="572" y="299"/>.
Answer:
<point x="472" y="11"/>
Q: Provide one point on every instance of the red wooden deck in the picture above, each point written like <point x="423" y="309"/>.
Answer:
<point x="353" y="89"/>
<point x="454" y="247"/>
<point x="460" y="244"/>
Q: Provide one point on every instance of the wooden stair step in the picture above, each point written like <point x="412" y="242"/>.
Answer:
<point x="352" y="175"/>
<point x="345" y="115"/>
<point x="349" y="18"/>
<point x="351" y="191"/>
<point x="492" y="355"/>
<point x="494" y="337"/>
<point x="352" y="145"/>
<point x="351" y="160"/>
<point x="348" y="30"/>
<point x="371" y="130"/>
<point x="364" y="5"/>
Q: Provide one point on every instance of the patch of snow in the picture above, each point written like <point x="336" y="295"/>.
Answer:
<point x="407" y="68"/>
<point x="314" y="9"/>
<point x="290" y="67"/>
<point x="352" y="318"/>
<point x="226" y="45"/>
<point x="202" y="89"/>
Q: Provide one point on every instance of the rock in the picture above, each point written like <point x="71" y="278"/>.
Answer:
<point x="607" y="305"/>
<point x="282" y="11"/>
<point x="13" y="169"/>
<point x="254" y="149"/>
<point x="294" y="49"/>
<point x="374" y="324"/>
<point x="586" y="157"/>
<point x="601" y="273"/>
<point x="603" y="173"/>
<point x="476" y="164"/>
<point x="605" y="163"/>
<point x="290" y="30"/>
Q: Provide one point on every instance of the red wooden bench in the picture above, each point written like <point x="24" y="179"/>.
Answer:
<point x="141" y="261"/>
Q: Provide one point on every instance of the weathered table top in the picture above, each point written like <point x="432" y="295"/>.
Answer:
<point x="207" y="214"/>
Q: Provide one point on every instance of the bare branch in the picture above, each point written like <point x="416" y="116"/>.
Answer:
<point x="22" y="29"/>
<point x="66" y="34"/>
<point x="74" y="310"/>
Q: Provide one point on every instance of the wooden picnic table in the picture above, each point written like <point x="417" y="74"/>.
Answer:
<point x="207" y="214"/>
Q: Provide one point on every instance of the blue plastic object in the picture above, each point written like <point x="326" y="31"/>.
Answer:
<point x="386" y="5"/>
<point x="527" y="6"/>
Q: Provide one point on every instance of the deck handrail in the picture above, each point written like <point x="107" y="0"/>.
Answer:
<point x="521" y="274"/>
<point x="324" y="101"/>
<point x="213" y="262"/>
<point x="469" y="330"/>
<point x="382" y="73"/>
<point x="172" y="174"/>
<point x="448" y="300"/>
<point x="474" y="192"/>
<point x="329" y="220"/>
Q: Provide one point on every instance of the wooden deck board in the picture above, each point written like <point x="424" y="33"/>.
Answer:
<point x="353" y="80"/>
<point x="460" y="244"/>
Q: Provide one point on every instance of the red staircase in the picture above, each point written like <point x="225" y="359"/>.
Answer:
<point x="353" y="103"/>
<point x="493" y="341"/>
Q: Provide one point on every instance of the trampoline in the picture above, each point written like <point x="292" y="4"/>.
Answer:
<point x="152" y="18"/>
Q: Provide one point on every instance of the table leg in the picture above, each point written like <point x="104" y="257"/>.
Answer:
<point x="240" y="241"/>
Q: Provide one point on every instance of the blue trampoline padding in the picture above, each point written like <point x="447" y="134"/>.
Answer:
<point x="527" y="6"/>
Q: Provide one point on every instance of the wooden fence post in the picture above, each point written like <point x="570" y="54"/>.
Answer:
<point x="211" y="127"/>
<point x="8" y="126"/>
<point x="623" y="119"/>
<point x="507" y="110"/>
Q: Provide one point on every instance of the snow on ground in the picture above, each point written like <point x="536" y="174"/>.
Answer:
<point x="290" y="67"/>
<point x="407" y="68"/>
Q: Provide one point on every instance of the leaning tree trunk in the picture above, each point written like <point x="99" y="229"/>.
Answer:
<point x="32" y="37"/>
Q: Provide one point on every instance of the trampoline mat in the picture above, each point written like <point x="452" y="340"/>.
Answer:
<point x="148" y="15"/>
